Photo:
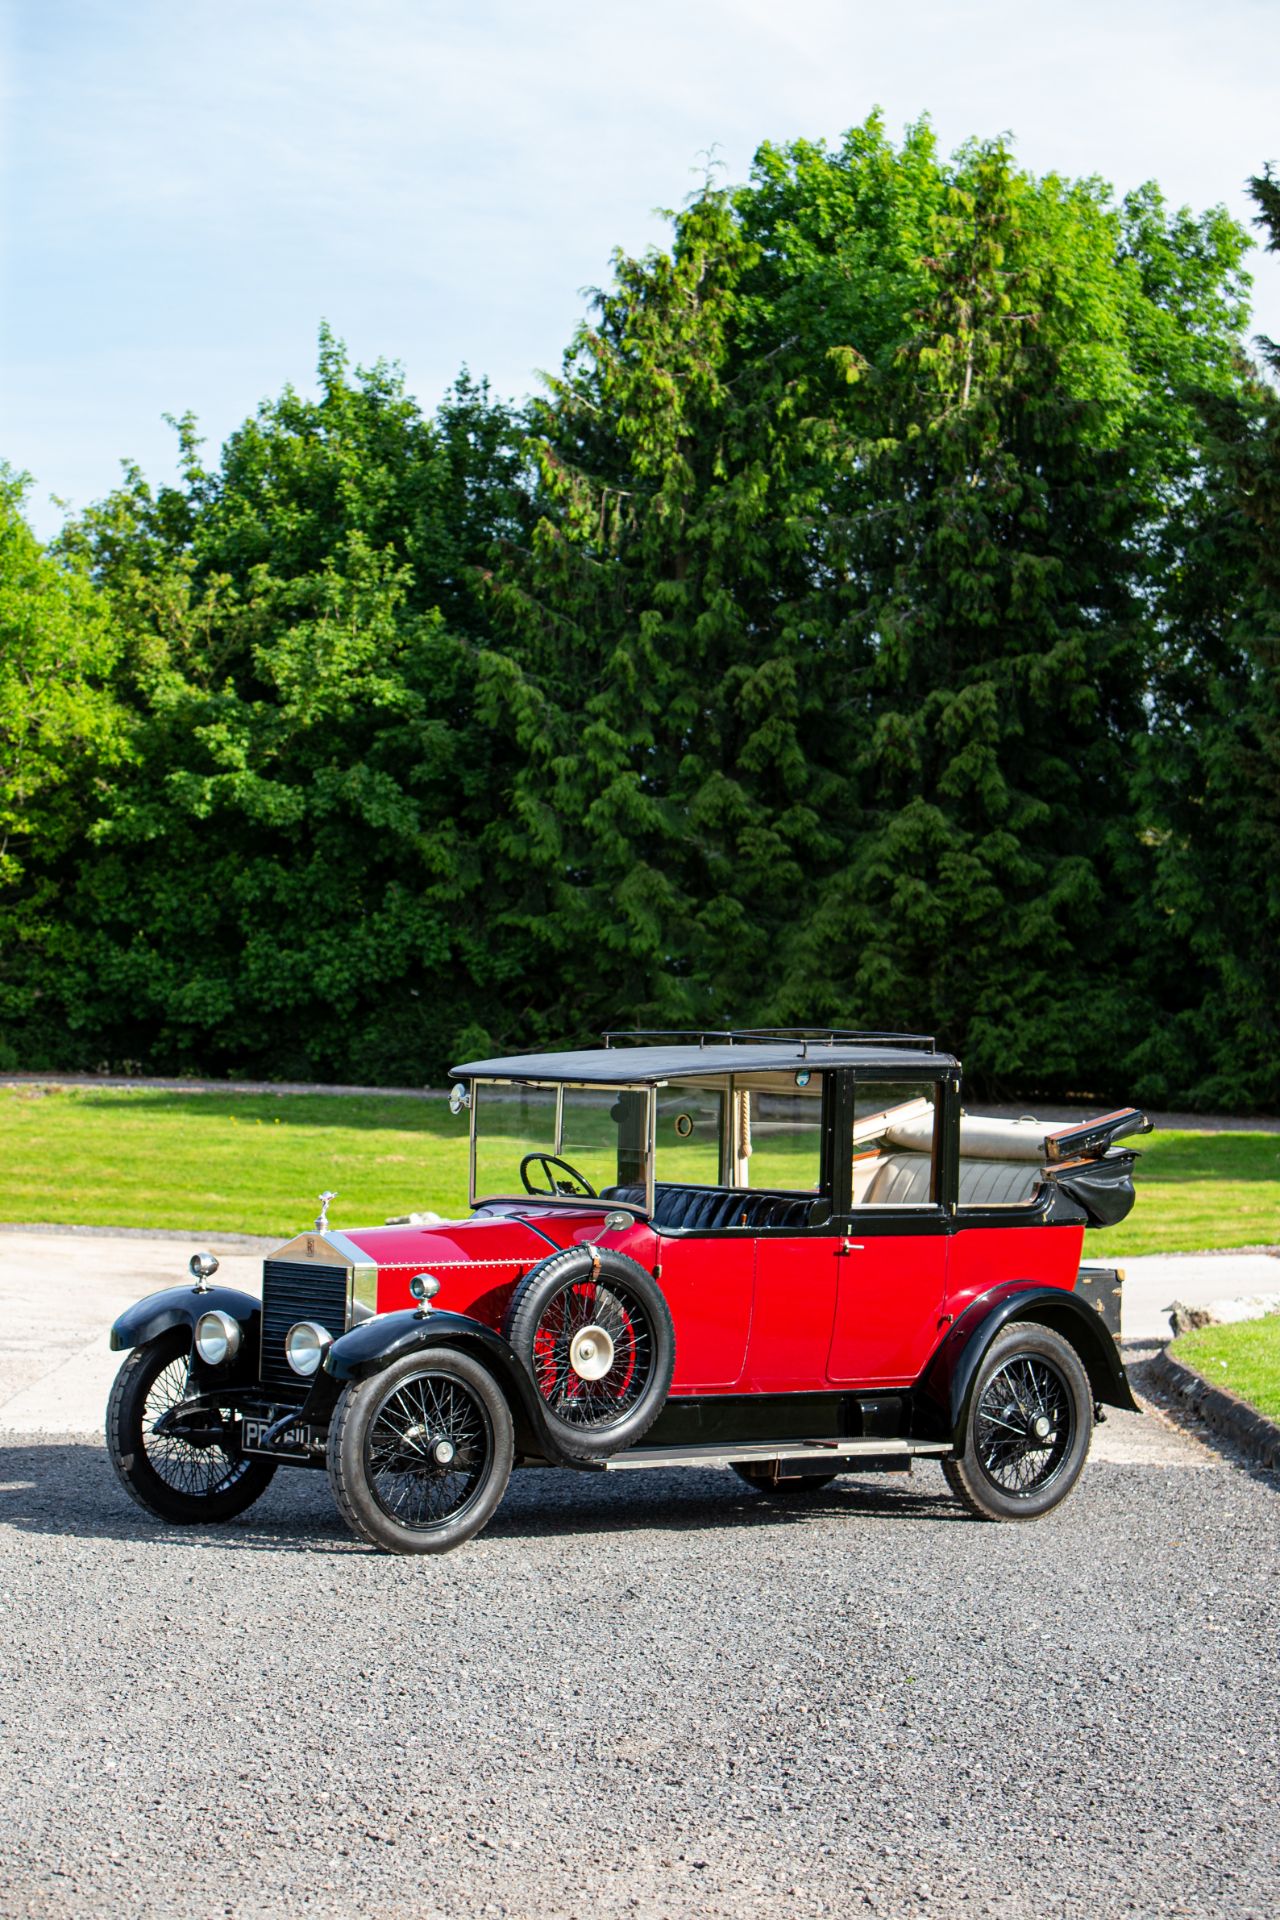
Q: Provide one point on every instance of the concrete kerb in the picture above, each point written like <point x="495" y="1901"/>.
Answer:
<point x="1257" y="1438"/>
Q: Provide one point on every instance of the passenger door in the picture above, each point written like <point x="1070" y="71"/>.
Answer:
<point x="892" y="1261"/>
<point x="796" y="1283"/>
<point x="708" y="1282"/>
<point x="785" y="1137"/>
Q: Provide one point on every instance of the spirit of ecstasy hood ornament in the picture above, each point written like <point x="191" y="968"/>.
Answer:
<point x="322" y="1218"/>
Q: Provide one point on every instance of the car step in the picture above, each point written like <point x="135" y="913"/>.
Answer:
<point x="730" y="1454"/>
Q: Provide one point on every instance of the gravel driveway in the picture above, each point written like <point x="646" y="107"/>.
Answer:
<point x="656" y="1695"/>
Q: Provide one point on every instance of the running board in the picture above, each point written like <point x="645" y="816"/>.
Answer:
<point x="735" y="1453"/>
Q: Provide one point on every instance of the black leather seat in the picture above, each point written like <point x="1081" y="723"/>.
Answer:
<point x="706" y="1209"/>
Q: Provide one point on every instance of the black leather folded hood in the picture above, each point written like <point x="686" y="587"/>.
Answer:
<point x="1102" y="1190"/>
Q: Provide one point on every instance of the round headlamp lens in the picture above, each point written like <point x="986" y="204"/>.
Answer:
<point x="217" y="1338"/>
<point x="305" y="1346"/>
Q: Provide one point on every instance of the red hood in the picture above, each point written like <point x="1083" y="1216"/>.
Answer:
<point x="520" y="1234"/>
<point x="478" y="1261"/>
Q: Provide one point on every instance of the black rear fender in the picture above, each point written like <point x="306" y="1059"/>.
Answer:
<point x="943" y="1392"/>
<point x="375" y="1344"/>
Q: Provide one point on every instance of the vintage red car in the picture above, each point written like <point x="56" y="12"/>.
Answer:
<point x="789" y="1252"/>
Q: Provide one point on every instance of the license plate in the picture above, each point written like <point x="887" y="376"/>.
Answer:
<point x="291" y="1440"/>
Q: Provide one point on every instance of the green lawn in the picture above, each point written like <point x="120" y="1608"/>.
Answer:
<point x="248" y="1163"/>
<point x="1244" y="1357"/>
<point x="1199" y="1190"/>
<point x="254" y="1163"/>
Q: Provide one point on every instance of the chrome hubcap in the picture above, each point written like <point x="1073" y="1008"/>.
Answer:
<point x="591" y="1353"/>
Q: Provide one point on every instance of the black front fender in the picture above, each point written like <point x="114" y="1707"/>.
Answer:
<point x="376" y="1344"/>
<point x="943" y="1391"/>
<point x="182" y="1307"/>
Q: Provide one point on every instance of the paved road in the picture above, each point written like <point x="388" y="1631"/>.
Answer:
<point x="658" y="1696"/>
<point x="654" y="1696"/>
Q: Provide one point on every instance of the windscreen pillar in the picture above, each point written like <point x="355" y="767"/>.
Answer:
<point x="631" y="1112"/>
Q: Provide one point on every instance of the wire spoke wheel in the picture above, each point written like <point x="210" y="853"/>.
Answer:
<point x="184" y="1466"/>
<point x="593" y="1352"/>
<point x="593" y="1330"/>
<point x="419" y="1455"/>
<point x="197" y="1469"/>
<point x="1028" y="1427"/>
<point x="427" y="1449"/>
<point x="1024" y="1425"/>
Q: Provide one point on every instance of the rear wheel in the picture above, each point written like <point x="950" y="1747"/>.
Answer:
<point x="420" y="1455"/>
<point x="186" y="1469"/>
<point x="1029" y="1426"/>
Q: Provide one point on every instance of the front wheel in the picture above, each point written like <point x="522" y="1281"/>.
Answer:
<point x="1028" y="1429"/>
<point x="420" y="1454"/>
<point x="185" y="1468"/>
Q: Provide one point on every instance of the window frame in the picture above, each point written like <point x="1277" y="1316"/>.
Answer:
<point x="543" y="1086"/>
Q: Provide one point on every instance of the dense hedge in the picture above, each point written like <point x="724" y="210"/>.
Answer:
<point x="876" y="624"/>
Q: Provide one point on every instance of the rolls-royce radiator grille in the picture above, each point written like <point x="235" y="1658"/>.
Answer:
<point x="293" y="1290"/>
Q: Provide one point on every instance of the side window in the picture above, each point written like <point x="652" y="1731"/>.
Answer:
<point x="779" y="1136"/>
<point x="894" y="1154"/>
<point x="688" y="1129"/>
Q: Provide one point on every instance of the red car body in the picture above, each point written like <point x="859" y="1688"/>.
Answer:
<point x="793" y="1253"/>
<point x="786" y="1315"/>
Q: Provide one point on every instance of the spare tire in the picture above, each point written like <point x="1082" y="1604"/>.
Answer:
<point x="593" y="1331"/>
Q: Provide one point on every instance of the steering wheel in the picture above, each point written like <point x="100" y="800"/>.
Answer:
<point x="577" y="1185"/>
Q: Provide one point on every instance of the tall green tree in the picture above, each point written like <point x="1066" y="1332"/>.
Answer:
<point x="293" y="877"/>
<point x="831" y="653"/>
<point x="1212" y="763"/>
<point x="62" y="735"/>
<point x="869" y="625"/>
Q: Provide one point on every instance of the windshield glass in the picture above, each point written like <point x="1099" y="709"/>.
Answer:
<point x="523" y="1133"/>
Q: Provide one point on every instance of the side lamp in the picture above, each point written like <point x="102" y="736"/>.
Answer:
<point x="201" y="1267"/>
<point x="424" y="1287"/>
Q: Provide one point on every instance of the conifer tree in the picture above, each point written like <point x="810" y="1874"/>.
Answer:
<point x="1212" y="769"/>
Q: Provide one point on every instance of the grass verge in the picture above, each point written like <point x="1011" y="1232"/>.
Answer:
<point x="247" y="1163"/>
<point x="254" y="1163"/>
<point x="1244" y="1358"/>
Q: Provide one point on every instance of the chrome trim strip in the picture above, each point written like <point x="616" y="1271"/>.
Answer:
<point x="724" y="1455"/>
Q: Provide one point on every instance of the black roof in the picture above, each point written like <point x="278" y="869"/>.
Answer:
<point x="628" y="1066"/>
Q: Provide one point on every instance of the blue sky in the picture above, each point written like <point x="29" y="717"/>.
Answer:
<point x="188" y="188"/>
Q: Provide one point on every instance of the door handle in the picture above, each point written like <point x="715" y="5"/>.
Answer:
<point x="852" y="1246"/>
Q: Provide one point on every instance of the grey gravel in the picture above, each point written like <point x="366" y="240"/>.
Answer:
<point x="651" y="1695"/>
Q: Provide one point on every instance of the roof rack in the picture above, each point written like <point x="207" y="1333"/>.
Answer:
<point x="806" y="1037"/>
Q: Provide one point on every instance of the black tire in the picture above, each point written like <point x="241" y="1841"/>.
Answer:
<point x="575" y="1297"/>
<point x="1011" y="1467"/>
<point x="186" y="1484"/>
<point x="389" y="1489"/>
<point x="764" y="1477"/>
